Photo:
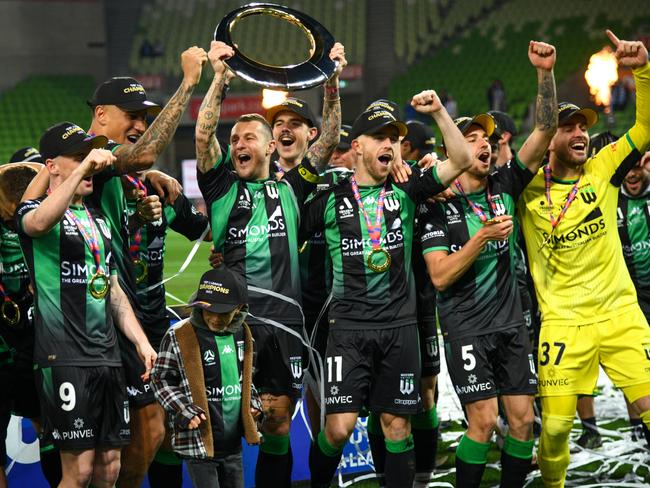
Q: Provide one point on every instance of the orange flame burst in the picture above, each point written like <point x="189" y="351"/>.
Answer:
<point x="601" y="75"/>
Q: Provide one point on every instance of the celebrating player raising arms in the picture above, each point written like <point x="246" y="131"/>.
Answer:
<point x="471" y="256"/>
<point x="590" y="314"/>
<point x="372" y="356"/>
<point x="254" y="219"/>
<point x="67" y="245"/>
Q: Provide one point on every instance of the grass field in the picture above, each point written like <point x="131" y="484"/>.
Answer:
<point x="620" y="462"/>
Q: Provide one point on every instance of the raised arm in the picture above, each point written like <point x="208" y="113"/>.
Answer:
<point x="143" y="154"/>
<point x="125" y="320"/>
<point x="320" y="151"/>
<point x="50" y="212"/>
<point x="460" y="157"/>
<point x="531" y="154"/>
<point x="208" y="151"/>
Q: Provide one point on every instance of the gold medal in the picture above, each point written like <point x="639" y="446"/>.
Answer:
<point x="382" y="267"/>
<point x="10" y="312"/>
<point x="141" y="270"/>
<point x="491" y="222"/>
<point x="99" y="285"/>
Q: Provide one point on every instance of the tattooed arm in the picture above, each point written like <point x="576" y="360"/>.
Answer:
<point x="125" y="320"/>
<point x="208" y="151"/>
<point x="531" y="154"/>
<point x="143" y="154"/>
<point x="319" y="153"/>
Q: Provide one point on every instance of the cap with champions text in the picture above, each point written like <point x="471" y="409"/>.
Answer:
<point x="567" y="110"/>
<point x="295" y="105"/>
<point x="26" y="154"/>
<point x="126" y="93"/>
<point x="373" y="119"/>
<point x="66" y="138"/>
<point x="220" y="291"/>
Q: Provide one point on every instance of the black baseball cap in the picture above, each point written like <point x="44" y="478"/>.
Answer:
<point x="567" y="110"/>
<point x="26" y="154"/>
<point x="66" y="138"/>
<point x="373" y="119"/>
<point x="345" y="142"/>
<point x="127" y="93"/>
<point x="220" y="291"/>
<point x="503" y="123"/>
<point x="295" y="105"/>
<point x="483" y="120"/>
<point x="385" y="104"/>
<point x="420" y="136"/>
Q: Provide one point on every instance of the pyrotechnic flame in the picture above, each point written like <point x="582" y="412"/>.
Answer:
<point x="601" y="75"/>
<point x="271" y="98"/>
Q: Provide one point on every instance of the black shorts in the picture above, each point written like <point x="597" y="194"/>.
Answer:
<point x="280" y="356"/>
<point x="24" y="398"/>
<point x="377" y="368"/>
<point x="429" y="347"/>
<point x="5" y="409"/>
<point x="140" y="393"/>
<point x="499" y="363"/>
<point x="315" y="358"/>
<point x="84" y="407"/>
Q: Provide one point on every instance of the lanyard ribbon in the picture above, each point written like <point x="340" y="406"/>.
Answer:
<point x="572" y="196"/>
<point x="478" y="211"/>
<point x="374" y="231"/>
<point x="134" y="248"/>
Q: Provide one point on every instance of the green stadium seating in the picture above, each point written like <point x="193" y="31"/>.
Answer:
<point x="38" y="103"/>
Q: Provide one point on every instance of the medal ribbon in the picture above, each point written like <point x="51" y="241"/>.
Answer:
<point x="374" y="231"/>
<point x="572" y="196"/>
<point x="3" y="293"/>
<point x="91" y="238"/>
<point x="478" y="211"/>
<point x="134" y="247"/>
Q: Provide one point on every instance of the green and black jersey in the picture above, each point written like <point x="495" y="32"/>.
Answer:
<point x="255" y="226"/>
<point x="362" y="298"/>
<point x="315" y="263"/>
<point x="486" y="298"/>
<point x="222" y="358"/>
<point x="181" y="217"/>
<point x="634" y="229"/>
<point x="72" y="327"/>
<point x="14" y="277"/>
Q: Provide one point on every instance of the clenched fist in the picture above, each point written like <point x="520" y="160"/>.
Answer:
<point x="426" y="102"/>
<point x="192" y="60"/>
<point x="541" y="55"/>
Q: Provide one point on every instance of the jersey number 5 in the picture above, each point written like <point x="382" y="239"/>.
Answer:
<point x="469" y="361"/>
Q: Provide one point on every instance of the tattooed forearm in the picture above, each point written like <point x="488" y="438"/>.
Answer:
<point x="319" y="153"/>
<point x="207" y="147"/>
<point x="143" y="154"/>
<point x="546" y="107"/>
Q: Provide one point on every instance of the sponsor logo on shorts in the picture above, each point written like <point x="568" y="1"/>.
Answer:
<point x="406" y="383"/>
<point x="78" y="423"/>
<point x="554" y="382"/>
<point x="209" y="357"/>
<point x="404" y="401"/>
<point x="646" y="348"/>
<point x="473" y="386"/>
<point x="335" y="398"/>
<point x="296" y="366"/>
<point x="471" y="379"/>
<point x="334" y="390"/>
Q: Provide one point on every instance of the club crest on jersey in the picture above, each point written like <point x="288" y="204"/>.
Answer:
<point x="296" y="366"/>
<point x="588" y="195"/>
<point x="346" y="210"/>
<point x="406" y="383"/>
<point x="498" y="205"/>
<point x="104" y="228"/>
<point x="271" y="190"/>
<point x="391" y="203"/>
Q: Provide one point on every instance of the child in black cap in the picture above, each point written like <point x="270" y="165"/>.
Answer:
<point x="202" y="378"/>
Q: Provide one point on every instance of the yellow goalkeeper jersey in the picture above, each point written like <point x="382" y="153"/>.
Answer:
<point x="580" y="275"/>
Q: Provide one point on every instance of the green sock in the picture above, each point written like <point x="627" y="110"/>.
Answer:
<point x="275" y="444"/>
<point x="517" y="448"/>
<point x="396" y="447"/>
<point x="471" y="451"/>
<point x="327" y="448"/>
<point x="426" y="420"/>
